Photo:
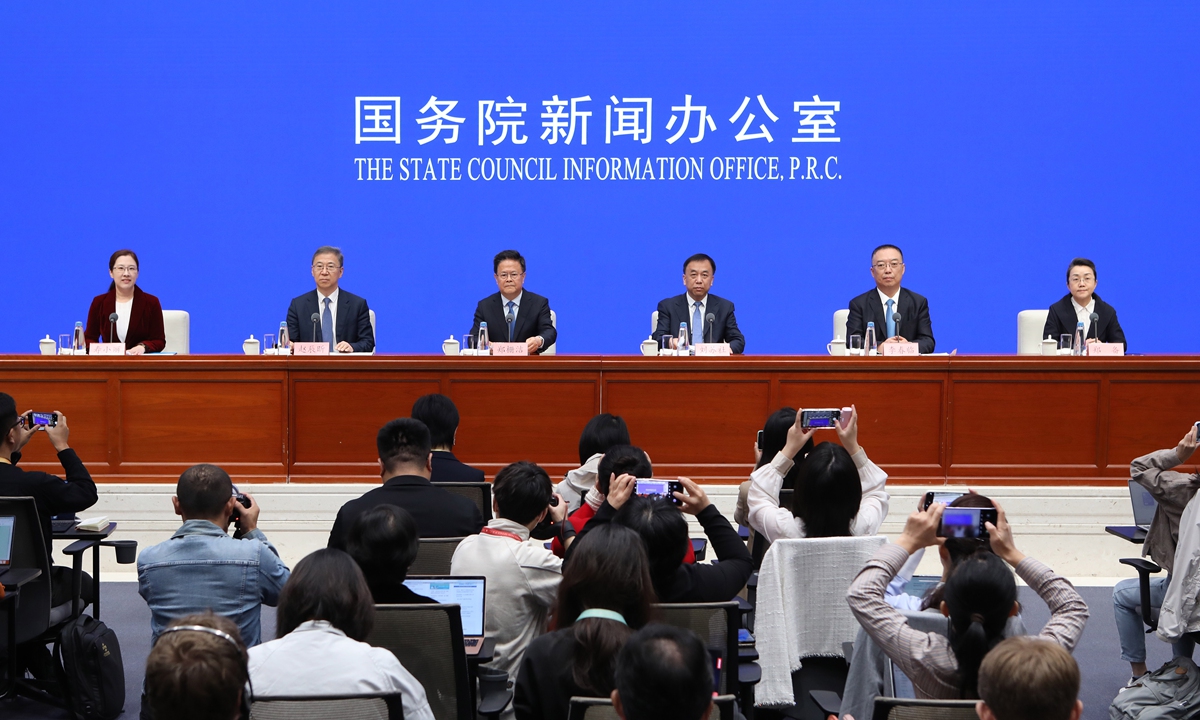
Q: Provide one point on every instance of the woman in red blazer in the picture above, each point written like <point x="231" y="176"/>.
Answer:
<point x="139" y="315"/>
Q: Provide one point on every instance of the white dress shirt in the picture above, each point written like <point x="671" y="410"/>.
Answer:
<point x="1084" y="314"/>
<point x="698" y="333"/>
<point x="881" y="333"/>
<point x="318" y="659"/>
<point x="123" y="311"/>
<point x="328" y="332"/>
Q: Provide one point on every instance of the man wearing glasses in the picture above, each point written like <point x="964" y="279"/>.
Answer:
<point x="881" y="305"/>
<point x="344" y="321"/>
<point x="514" y="314"/>
<point x="1078" y="306"/>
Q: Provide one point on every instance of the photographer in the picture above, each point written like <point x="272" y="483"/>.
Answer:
<point x="202" y="568"/>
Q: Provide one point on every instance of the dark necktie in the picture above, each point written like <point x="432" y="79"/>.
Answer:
<point x="327" y="325"/>
<point x="891" y="322"/>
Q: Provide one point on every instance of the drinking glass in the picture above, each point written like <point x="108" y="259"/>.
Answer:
<point x="468" y="344"/>
<point x="856" y="346"/>
<point x="666" y="344"/>
<point x="64" y="344"/>
<point x="269" y="343"/>
<point x="1064" y="341"/>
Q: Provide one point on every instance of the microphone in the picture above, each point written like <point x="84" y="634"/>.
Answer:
<point x="510" y="320"/>
<point x="315" y="319"/>
<point x="112" y="328"/>
<point x="1095" y="318"/>
<point x="709" y="319"/>
<point x="896" y="319"/>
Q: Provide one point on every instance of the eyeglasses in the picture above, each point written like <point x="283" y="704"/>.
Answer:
<point x="322" y="267"/>
<point x="122" y="269"/>
<point x="883" y="265"/>
<point x="509" y="276"/>
<point x="1084" y="278"/>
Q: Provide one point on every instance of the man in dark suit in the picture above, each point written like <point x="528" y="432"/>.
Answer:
<point x="441" y="417"/>
<point x="1078" y="306"/>
<point x="888" y="298"/>
<point x="694" y="307"/>
<point x="404" y="462"/>
<point x="345" y="320"/>
<point x="530" y="313"/>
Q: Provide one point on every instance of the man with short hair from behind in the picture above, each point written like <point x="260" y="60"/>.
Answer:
<point x="405" y="464"/>
<point x="197" y="670"/>
<point x="1027" y="678"/>
<point x="695" y="305"/>
<point x="343" y="318"/>
<point x="441" y="417"/>
<point x="202" y="568"/>
<point x="663" y="673"/>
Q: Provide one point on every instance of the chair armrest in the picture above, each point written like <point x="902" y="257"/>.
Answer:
<point x="747" y="654"/>
<point x="494" y="694"/>
<point x="700" y="548"/>
<point x="1145" y="569"/>
<point x="17" y="577"/>
<point x="1142" y="565"/>
<point x="77" y="547"/>
<point x="749" y="673"/>
<point x="753" y="581"/>
<point x="827" y="700"/>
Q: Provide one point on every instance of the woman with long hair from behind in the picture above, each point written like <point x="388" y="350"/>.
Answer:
<point x="605" y="595"/>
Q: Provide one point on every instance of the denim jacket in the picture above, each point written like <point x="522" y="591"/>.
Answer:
<point x="202" y="568"/>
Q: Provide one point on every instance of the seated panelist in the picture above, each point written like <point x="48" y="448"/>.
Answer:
<point x="694" y="306"/>
<point x="1078" y="305"/>
<point x="530" y="313"/>
<point x="139" y="322"/>
<point x="888" y="298"/>
<point x="344" y="318"/>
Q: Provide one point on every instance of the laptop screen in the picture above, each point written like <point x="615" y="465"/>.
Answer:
<point x="467" y="592"/>
<point x="6" y="535"/>
<point x="1143" y="504"/>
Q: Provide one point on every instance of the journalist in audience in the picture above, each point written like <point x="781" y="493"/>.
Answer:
<point x="601" y="433"/>
<point x="202" y="568"/>
<point x="139" y="323"/>
<point x="441" y="417"/>
<point x="325" y="614"/>
<point x="979" y="597"/>
<point x="664" y="530"/>
<point x="196" y="670"/>
<point x="770" y="442"/>
<point x="1026" y="678"/>
<point x="952" y="551"/>
<point x="838" y="490"/>
<point x="1173" y="491"/>
<point x="522" y="577"/>
<point x="383" y="541"/>
<point x="663" y="674"/>
<point x="606" y="594"/>
<point x="405" y="464"/>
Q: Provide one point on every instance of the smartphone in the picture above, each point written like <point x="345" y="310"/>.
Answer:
<point x="966" y="522"/>
<point x="40" y="419"/>
<point x="646" y="487"/>
<point x="825" y="418"/>
<point x="759" y="441"/>
<point x="943" y="497"/>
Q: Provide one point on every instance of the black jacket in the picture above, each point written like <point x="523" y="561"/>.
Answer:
<point x="1062" y="320"/>
<point x="353" y="320"/>
<point x="533" y="318"/>
<point x="438" y="513"/>
<point x="51" y="494"/>
<point x="678" y="309"/>
<point x="447" y="468"/>
<point x="545" y="681"/>
<point x="914" y="318"/>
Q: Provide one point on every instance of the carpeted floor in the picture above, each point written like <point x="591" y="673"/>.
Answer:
<point x="1098" y="651"/>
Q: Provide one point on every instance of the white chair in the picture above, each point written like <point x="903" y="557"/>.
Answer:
<point x="839" y="323"/>
<point x="177" y="325"/>
<point x="1029" y="331"/>
<point x="553" y="346"/>
<point x="653" y="322"/>
<point x="374" y="336"/>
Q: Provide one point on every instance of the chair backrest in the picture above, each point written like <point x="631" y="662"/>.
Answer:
<point x="433" y="556"/>
<point x="909" y="709"/>
<point x="589" y="708"/>
<point x="177" y="326"/>
<point x="378" y="706"/>
<point x="839" y="322"/>
<point x="717" y="626"/>
<point x="1029" y="331"/>
<point x="653" y="321"/>
<point x="478" y="493"/>
<point x="28" y="552"/>
<point x="428" y="642"/>
<point x="374" y="335"/>
<point x="553" y="349"/>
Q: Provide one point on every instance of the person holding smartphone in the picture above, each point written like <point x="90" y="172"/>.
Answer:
<point x="139" y="322"/>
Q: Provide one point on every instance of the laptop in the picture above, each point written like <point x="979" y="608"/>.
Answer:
<point x="1144" y="506"/>
<point x="468" y="593"/>
<point x="7" y="524"/>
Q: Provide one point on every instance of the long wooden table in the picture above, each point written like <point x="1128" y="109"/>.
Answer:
<point x="1020" y="420"/>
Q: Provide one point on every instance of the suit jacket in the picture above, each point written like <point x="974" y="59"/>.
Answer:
<point x="447" y="468"/>
<point x="533" y="318"/>
<point x="914" y="318"/>
<point x="439" y="513"/>
<point x="353" y="320"/>
<point x="1062" y="320"/>
<point x="676" y="310"/>
<point x="145" y="320"/>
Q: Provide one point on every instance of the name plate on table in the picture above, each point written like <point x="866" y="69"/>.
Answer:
<point x="106" y="349"/>
<point x="713" y="350"/>
<point x="510" y="349"/>
<point x="310" y="349"/>
<point x="900" y="349"/>
<point x="1106" y="349"/>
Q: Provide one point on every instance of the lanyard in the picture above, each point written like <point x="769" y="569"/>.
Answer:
<point x="500" y="533"/>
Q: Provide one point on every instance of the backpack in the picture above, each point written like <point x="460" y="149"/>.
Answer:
<point x="1170" y="692"/>
<point x="94" y="676"/>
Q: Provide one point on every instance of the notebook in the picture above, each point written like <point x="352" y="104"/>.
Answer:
<point x="6" y="536"/>
<point x="467" y="592"/>
<point x="1144" y="505"/>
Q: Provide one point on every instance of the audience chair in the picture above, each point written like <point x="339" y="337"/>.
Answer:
<point x="717" y="626"/>
<point x="379" y="706"/>
<point x="177" y="326"/>
<point x="1030" y="324"/>
<point x="589" y="708"/>
<point x="478" y="493"/>
<point x="433" y="556"/>
<point x="428" y="642"/>
<point x="908" y="709"/>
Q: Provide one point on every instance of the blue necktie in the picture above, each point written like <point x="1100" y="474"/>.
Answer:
<point x="891" y="323"/>
<point x="510" y="319"/>
<point x="697" y="329"/>
<point x="327" y="325"/>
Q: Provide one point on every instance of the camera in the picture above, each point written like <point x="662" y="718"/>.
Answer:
<point x="646" y="487"/>
<point x="823" y="418"/>
<point x="40" y="419"/>
<point x="966" y="522"/>
<point x="243" y="501"/>
<point x="944" y="498"/>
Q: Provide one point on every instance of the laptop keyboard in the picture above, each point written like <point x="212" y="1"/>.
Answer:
<point x="471" y="642"/>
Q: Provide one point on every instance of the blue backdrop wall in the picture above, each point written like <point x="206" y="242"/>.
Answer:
<point x="993" y="142"/>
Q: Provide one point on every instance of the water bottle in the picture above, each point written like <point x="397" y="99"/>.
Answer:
<point x="78" y="343"/>
<point x="484" y="346"/>
<point x="284" y="340"/>
<point x="684" y="346"/>
<point x="1078" y="344"/>
<point x="869" y="341"/>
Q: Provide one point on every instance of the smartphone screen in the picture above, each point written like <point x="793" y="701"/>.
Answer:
<point x="658" y="488"/>
<point x="966" y="522"/>
<point x="944" y="498"/>
<point x="819" y="419"/>
<point x="39" y="419"/>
